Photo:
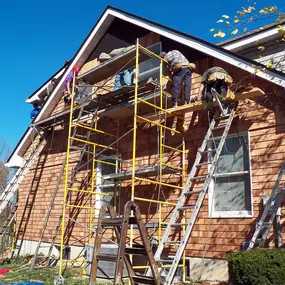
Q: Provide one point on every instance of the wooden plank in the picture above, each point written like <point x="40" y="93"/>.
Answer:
<point x="113" y="65"/>
<point x="198" y="106"/>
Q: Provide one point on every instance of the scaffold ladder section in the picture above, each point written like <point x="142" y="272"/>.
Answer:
<point x="178" y="218"/>
<point x="121" y="227"/>
<point x="270" y="212"/>
<point x="12" y="187"/>
<point x="51" y="211"/>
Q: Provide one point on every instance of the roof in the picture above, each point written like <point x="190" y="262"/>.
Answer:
<point x="96" y="34"/>
<point x="252" y="37"/>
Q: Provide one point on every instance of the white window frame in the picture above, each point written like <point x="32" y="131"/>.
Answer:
<point x="231" y="214"/>
<point x="98" y="203"/>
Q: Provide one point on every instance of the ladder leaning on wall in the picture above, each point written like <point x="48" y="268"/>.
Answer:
<point x="12" y="188"/>
<point x="270" y="212"/>
<point x="179" y="218"/>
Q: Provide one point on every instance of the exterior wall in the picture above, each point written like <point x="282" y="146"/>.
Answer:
<point x="262" y="117"/>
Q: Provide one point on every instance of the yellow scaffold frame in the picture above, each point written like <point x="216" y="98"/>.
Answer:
<point x="135" y="180"/>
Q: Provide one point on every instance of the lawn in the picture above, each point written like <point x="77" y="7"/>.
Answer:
<point x="19" y="272"/>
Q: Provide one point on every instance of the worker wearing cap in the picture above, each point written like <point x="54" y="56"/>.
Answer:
<point x="217" y="78"/>
<point x="35" y="111"/>
<point x="182" y="73"/>
<point x="67" y="85"/>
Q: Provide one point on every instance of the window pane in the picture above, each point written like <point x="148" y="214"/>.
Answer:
<point x="232" y="193"/>
<point x="108" y="190"/>
<point x="234" y="156"/>
<point x="108" y="169"/>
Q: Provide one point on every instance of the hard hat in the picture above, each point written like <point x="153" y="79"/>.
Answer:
<point x="75" y="68"/>
<point x="192" y="66"/>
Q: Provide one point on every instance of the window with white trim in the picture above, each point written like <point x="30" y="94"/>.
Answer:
<point x="106" y="186"/>
<point x="230" y="189"/>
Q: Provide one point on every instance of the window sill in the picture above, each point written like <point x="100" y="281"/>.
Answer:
<point x="231" y="215"/>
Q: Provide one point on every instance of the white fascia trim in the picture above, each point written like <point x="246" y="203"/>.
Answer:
<point x="269" y="76"/>
<point x="15" y="161"/>
<point x="36" y="97"/>
<point x="252" y="39"/>
<point x="39" y="117"/>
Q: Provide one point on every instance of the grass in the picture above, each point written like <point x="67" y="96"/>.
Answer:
<point x="19" y="272"/>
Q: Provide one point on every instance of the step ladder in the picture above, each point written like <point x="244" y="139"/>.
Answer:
<point x="12" y="187"/>
<point x="178" y="220"/>
<point x="121" y="226"/>
<point x="52" y="212"/>
<point x="270" y="212"/>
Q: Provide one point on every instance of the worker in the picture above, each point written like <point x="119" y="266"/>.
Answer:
<point x="35" y="111"/>
<point x="51" y="85"/>
<point x="217" y="78"/>
<point x="67" y="86"/>
<point x="182" y="73"/>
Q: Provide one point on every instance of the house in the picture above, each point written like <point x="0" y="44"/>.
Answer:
<point x="128" y="164"/>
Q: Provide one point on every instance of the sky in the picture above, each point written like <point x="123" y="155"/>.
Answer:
<point x="38" y="36"/>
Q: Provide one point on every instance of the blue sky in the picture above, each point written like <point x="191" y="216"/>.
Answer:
<point x="37" y="36"/>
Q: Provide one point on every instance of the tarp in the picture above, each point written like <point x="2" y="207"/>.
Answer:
<point x="24" y="283"/>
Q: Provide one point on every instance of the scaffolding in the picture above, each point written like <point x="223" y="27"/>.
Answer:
<point x="147" y="106"/>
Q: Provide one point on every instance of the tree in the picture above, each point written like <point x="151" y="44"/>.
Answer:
<point x="5" y="172"/>
<point x="245" y="19"/>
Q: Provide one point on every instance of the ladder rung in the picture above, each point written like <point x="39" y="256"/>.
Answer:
<point x="116" y="222"/>
<point x="223" y="117"/>
<point x="203" y="163"/>
<point x="219" y="127"/>
<point x="206" y="151"/>
<point x="178" y="225"/>
<point x="172" y="241"/>
<point x="186" y="208"/>
<point x="192" y="192"/>
<point x="266" y="224"/>
<point x="106" y="257"/>
<point x="143" y="279"/>
<point x="214" y="138"/>
<point x="135" y="250"/>
<point x="199" y="177"/>
<point x="166" y="260"/>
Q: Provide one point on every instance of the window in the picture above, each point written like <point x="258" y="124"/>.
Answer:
<point x="230" y="189"/>
<point x="150" y="67"/>
<point x="105" y="186"/>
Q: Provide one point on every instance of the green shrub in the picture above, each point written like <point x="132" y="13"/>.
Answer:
<point x="257" y="267"/>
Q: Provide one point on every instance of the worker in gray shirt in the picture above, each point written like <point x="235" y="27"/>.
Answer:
<point x="182" y="73"/>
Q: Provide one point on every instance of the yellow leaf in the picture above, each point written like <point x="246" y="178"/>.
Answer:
<point x="235" y="31"/>
<point x="236" y="20"/>
<point x="220" y="21"/>
<point x="212" y="30"/>
<point x="225" y="16"/>
<point x="228" y="23"/>
<point x="264" y="68"/>
<point x="269" y="64"/>
<point x="261" y="48"/>
<point x="257" y="70"/>
<point x="219" y="34"/>
<point x="262" y="11"/>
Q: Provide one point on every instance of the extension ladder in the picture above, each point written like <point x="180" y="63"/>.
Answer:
<point x="4" y="230"/>
<point x="121" y="226"/>
<point x="178" y="220"/>
<point x="270" y="212"/>
<point x="12" y="187"/>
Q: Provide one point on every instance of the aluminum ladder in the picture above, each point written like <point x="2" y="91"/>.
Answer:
<point x="121" y="226"/>
<point x="220" y="123"/>
<point x="269" y="213"/>
<point x="13" y="185"/>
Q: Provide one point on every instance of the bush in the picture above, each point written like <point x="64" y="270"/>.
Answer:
<point x="257" y="267"/>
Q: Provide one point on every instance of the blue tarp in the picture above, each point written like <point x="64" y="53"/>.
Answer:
<point x="23" y="283"/>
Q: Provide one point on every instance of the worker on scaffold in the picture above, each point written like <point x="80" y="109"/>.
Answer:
<point x="218" y="79"/>
<point x="182" y="73"/>
<point x="67" y="86"/>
